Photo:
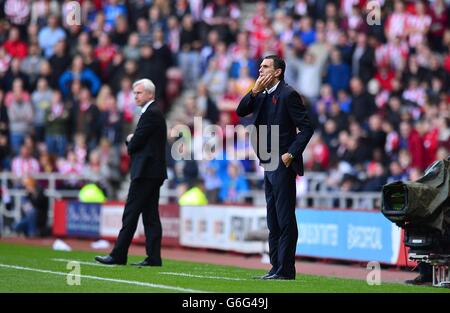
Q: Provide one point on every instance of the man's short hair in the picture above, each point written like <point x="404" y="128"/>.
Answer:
<point x="147" y="83"/>
<point x="278" y="63"/>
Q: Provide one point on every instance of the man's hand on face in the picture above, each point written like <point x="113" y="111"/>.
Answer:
<point x="261" y="83"/>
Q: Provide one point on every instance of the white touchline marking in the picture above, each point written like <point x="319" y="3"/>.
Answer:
<point x="200" y="276"/>
<point x="83" y="262"/>
<point x="130" y="282"/>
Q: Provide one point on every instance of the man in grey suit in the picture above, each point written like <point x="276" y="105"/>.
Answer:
<point x="146" y="147"/>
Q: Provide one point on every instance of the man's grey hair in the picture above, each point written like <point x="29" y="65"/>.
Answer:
<point x="147" y="83"/>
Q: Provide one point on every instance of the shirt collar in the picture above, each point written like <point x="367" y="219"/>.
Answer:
<point x="146" y="106"/>
<point x="269" y="91"/>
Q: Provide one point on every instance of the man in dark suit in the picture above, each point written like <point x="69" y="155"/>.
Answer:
<point x="146" y="148"/>
<point x="274" y="103"/>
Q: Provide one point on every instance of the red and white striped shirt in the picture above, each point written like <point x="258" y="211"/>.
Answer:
<point x="418" y="27"/>
<point x="392" y="142"/>
<point x="18" y="11"/>
<point x="392" y="54"/>
<point x="416" y="95"/>
<point x="397" y="25"/>
<point x="24" y="167"/>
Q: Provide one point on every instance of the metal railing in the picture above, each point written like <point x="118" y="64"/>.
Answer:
<point x="315" y="196"/>
<point x="11" y="188"/>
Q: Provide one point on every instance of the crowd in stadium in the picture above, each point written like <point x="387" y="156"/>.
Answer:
<point x="376" y="83"/>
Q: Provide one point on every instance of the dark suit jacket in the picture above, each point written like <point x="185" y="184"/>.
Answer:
<point x="367" y="67"/>
<point x="291" y="114"/>
<point x="148" y="145"/>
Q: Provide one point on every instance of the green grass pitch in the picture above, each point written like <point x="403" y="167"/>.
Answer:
<point x="37" y="269"/>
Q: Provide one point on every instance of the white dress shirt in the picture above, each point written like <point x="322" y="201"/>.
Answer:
<point x="146" y="106"/>
<point x="269" y="91"/>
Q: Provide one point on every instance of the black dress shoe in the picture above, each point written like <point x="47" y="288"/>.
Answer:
<point x="109" y="260"/>
<point x="146" y="263"/>
<point x="278" y="277"/>
<point x="420" y="280"/>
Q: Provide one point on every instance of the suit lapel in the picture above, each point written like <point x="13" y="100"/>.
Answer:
<point x="258" y="109"/>
<point x="275" y="101"/>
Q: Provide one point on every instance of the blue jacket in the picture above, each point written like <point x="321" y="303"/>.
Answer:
<point x="87" y="77"/>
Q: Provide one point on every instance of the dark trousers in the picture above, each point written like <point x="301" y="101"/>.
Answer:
<point x="143" y="197"/>
<point x="280" y="192"/>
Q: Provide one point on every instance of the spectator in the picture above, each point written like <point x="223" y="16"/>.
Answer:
<point x="209" y="172"/>
<point x="218" y="13"/>
<point x="15" y="73"/>
<point x="126" y="105"/>
<point x="186" y="170"/>
<point x="207" y="107"/>
<point x="376" y="177"/>
<point x="363" y="104"/>
<point x="173" y="34"/>
<point x="419" y="24"/>
<point x="59" y="61"/>
<point x="14" y="46"/>
<point x="112" y="10"/>
<point x="156" y="18"/>
<point x="55" y="122"/>
<point x="131" y="49"/>
<point x="376" y="135"/>
<point x="189" y="55"/>
<point x="111" y="121"/>
<point x="24" y="164"/>
<point x="411" y="141"/>
<point x="320" y="157"/>
<point x="320" y="49"/>
<point x="104" y="52"/>
<point x="18" y="13"/>
<point x="215" y="80"/>
<point x="50" y="35"/>
<point x="150" y="66"/>
<point x="363" y="59"/>
<point x="21" y="116"/>
<point x="234" y="185"/>
<point x="70" y="166"/>
<point x="243" y="60"/>
<point x="396" y="173"/>
<point x="47" y="164"/>
<point x="34" y="209"/>
<point x="162" y="51"/>
<point x="143" y="30"/>
<point x="78" y="71"/>
<point x="87" y="118"/>
<point x="307" y="33"/>
<point x="41" y="99"/>
<point x="5" y="161"/>
<point x="309" y="76"/>
<point x="439" y="20"/>
<point x="194" y="196"/>
<point x="31" y="65"/>
<point x="338" y="73"/>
